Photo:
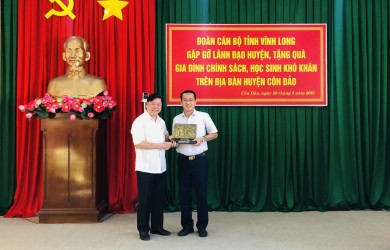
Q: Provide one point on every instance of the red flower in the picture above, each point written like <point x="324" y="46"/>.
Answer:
<point x="87" y="102"/>
<point x="70" y="101"/>
<point x="98" y="99"/>
<point x="111" y="104"/>
<point x="66" y="108"/>
<point x="81" y="106"/>
<point x="98" y="107"/>
<point x="48" y="99"/>
<point x="76" y="106"/>
<point x="31" y="105"/>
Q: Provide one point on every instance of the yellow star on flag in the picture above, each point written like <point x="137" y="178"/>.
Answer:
<point x="113" y="8"/>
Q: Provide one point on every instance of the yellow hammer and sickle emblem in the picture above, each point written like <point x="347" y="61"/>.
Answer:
<point x="66" y="10"/>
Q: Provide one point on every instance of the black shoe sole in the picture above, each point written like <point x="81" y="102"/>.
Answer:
<point x="181" y="234"/>
<point x="162" y="234"/>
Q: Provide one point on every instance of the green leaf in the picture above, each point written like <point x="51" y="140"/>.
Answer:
<point x="41" y="114"/>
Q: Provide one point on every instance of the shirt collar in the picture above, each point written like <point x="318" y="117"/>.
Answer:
<point x="150" y="117"/>
<point x="193" y="113"/>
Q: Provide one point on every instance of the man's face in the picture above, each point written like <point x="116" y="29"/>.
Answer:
<point x="154" y="107"/>
<point x="74" y="54"/>
<point x="188" y="102"/>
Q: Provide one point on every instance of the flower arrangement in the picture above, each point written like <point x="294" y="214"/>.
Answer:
<point x="98" y="107"/>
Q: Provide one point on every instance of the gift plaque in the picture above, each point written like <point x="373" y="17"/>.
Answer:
<point x="184" y="133"/>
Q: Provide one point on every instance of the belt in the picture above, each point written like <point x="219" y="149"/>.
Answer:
<point x="192" y="157"/>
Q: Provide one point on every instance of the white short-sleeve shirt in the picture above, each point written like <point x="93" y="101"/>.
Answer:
<point x="204" y="126"/>
<point x="145" y="128"/>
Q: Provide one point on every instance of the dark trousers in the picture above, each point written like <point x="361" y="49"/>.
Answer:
<point x="193" y="172"/>
<point x="151" y="201"/>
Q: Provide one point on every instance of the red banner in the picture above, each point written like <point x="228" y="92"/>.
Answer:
<point x="270" y="65"/>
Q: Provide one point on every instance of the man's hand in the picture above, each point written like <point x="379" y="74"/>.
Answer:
<point x="198" y="141"/>
<point x="167" y="145"/>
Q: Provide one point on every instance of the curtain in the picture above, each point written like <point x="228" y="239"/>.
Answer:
<point x="298" y="158"/>
<point x="122" y="53"/>
<point x="7" y="102"/>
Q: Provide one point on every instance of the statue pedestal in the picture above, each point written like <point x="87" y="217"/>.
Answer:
<point x="74" y="155"/>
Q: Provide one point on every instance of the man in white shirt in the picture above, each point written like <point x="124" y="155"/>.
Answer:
<point x="150" y="137"/>
<point x="193" y="165"/>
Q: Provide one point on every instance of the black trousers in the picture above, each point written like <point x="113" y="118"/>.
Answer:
<point x="193" y="172"/>
<point x="151" y="201"/>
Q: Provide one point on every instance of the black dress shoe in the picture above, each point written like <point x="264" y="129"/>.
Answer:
<point x="144" y="236"/>
<point x="161" y="231"/>
<point x="202" y="233"/>
<point x="185" y="231"/>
